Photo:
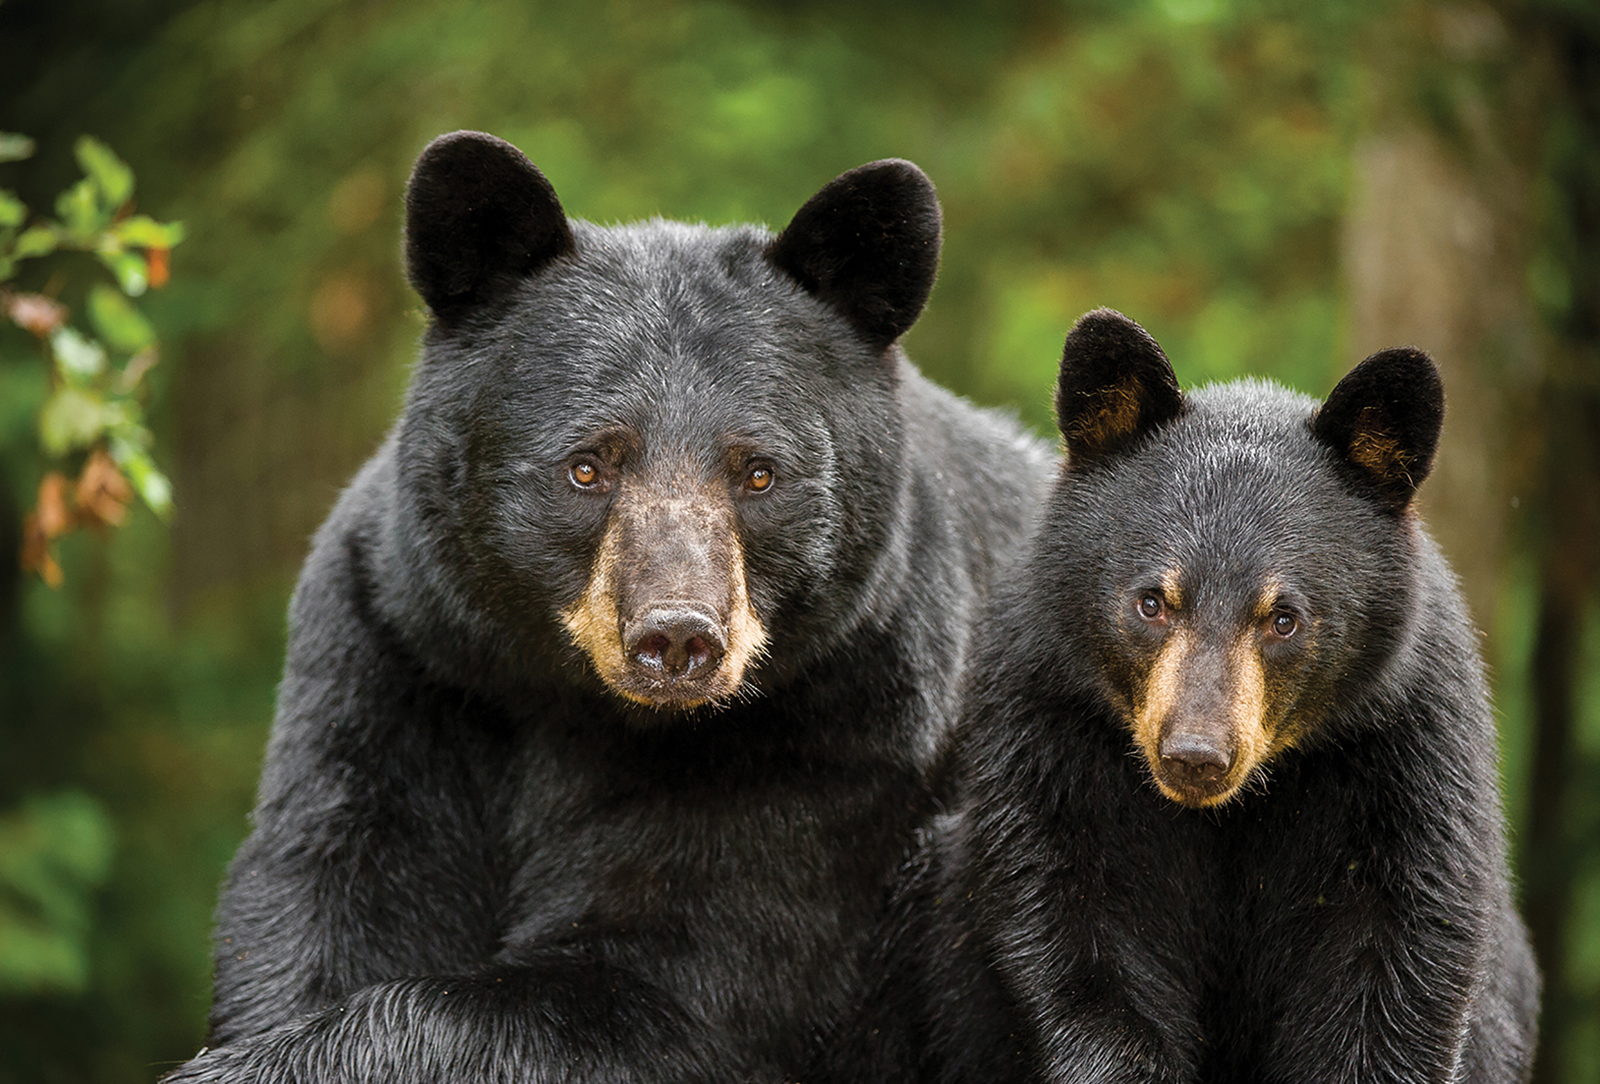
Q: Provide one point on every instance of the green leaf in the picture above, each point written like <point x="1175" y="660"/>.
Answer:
<point x="72" y="418"/>
<point x="79" y="210"/>
<point x="110" y="173"/>
<point x="133" y="274"/>
<point x="146" y="232"/>
<point x="146" y="477"/>
<point x="14" y="147"/>
<point x="36" y="241"/>
<point x="121" y="326"/>
<point x="78" y="359"/>
<point x="54" y="851"/>
<point x="13" y="212"/>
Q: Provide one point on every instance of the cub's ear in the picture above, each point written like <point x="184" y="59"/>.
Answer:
<point x="1383" y="419"/>
<point x="867" y="244"/>
<point x="1115" y="386"/>
<point x="479" y="217"/>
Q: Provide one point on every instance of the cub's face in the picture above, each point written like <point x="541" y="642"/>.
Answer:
<point x="660" y="457"/>
<point x="1245" y="585"/>
<point x="1247" y="551"/>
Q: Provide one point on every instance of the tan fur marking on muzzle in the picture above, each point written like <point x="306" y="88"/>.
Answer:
<point x="1252" y="738"/>
<point x="1162" y="687"/>
<point x="747" y="637"/>
<point x="592" y="620"/>
<point x="1245" y="696"/>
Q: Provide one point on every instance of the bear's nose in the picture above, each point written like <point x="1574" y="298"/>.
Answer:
<point x="1195" y="758"/>
<point x="676" y="640"/>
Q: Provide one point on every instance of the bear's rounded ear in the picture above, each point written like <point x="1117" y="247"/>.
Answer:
<point x="479" y="217"/>
<point x="867" y="244"/>
<point x="1115" y="386"/>
<point x="1383" y="419"/>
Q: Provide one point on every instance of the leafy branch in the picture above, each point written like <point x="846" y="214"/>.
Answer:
<point x="93" y="416"/>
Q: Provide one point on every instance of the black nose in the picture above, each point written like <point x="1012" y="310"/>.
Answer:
<point x="1195" y="758"/>
<point x="676" y="640"/>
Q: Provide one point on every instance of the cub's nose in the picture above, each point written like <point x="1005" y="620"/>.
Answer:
<point x="1195" y="759"/>
<point x="676" y="640"/>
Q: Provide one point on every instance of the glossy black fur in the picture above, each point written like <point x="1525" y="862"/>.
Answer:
<point x="471" y="861"/>
<point x="1347" y="916"/>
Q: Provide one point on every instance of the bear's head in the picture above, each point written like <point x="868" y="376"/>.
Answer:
<point x="660" y="457"/>
<point x="1237" y="562"/>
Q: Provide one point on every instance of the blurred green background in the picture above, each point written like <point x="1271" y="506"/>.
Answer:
<point x="1272" y="188"/>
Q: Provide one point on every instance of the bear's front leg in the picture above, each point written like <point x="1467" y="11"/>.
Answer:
<point x="1105" y="1008"/>
<point x="562" y="1018"/>
<point x="1379" y="985"/>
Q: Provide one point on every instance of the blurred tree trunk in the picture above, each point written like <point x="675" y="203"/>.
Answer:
<point x="1434" y="256"/>
<point x="1475" y="233"/>
<point x="1560" y="845"/>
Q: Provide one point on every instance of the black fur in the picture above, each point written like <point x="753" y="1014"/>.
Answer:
<point x="1393" y="398"/>
<point x="1116" y="384"/>
<point x="479" y="216"/>
<point x="868" y="244"/>
<point x="1347" y="916"/>
<point x="470" y="859"/>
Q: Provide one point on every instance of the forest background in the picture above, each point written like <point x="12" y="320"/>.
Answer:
<point x="1273" y="188"/>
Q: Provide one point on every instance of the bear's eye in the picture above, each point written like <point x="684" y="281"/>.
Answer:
<point x="1284" y="624"/>
<point x="1150" y="606"/>
<point x="759" y="480"/>
<point x="584" y="474"/>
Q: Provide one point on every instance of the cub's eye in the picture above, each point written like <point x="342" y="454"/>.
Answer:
<point x="759" y="479"/>
<point x="1284" y="624"/>
<point x="1151" y="607"/>
<point x="583" y="474"/>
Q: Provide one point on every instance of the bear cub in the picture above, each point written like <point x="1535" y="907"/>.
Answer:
<point x="1229" y="805"/>
<point x="615" y="679"/>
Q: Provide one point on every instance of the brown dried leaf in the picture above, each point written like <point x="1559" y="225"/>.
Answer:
<point x="55" y="518"/>
<point x="160" y="266"/>
<point x="103" y="494"/>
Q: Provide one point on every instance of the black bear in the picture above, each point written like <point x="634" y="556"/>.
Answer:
<point x="615" y="677"/>
<point x="1229" y="805"/>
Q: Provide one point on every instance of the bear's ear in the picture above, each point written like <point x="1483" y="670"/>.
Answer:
<point x="1383" y="419"/>
<point x="1115" y="385"/>
<point x="867" y="244"/>
<point x="479" y="217"/>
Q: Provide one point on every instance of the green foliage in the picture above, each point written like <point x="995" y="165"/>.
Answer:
<point x="94" y="401"/>
<point x="79" y="395"/>
<point x="54" y="852"/>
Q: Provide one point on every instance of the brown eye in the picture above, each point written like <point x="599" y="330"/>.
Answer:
<point x="1284" y="624"/>
<point x="584" y="474"/>
<point x="1150" y="607"/>
<point x="759" y="480"/>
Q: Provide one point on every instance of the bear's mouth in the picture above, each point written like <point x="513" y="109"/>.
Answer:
<point x="1195" y="789"/>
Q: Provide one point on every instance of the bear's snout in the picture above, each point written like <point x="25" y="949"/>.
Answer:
<point x="666" y="619"/>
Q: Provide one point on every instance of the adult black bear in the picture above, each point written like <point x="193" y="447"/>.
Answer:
<point x="615" y="677"/>
<point x="1230" y="808"/>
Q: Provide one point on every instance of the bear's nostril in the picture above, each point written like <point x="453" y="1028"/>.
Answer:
<point x="652" y="650"/>
<point x="677" y="641"/>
